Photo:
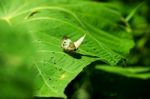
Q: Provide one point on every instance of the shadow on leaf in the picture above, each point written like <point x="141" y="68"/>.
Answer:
<point x="79" y="55"/>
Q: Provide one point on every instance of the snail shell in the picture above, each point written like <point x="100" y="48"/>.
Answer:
<point x="70" y="46"/>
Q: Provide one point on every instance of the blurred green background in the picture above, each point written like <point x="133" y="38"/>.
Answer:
<point x="15" y="60"/>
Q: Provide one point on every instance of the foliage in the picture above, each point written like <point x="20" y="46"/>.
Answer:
<point x="33" y="62"/>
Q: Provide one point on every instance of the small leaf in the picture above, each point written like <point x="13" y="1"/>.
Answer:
<point x="133" y="12"/>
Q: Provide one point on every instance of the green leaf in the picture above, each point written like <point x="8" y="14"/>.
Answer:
<point x="133" y="12"/>
<point x="135" y="72"/>
<point x="47" y="23"/>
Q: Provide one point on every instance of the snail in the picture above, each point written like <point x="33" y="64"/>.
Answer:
<point x="69" y="46"/>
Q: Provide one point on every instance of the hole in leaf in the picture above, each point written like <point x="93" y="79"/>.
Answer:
<point x="32" y="14"/>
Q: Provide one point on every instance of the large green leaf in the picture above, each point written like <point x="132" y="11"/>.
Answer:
<point x="47" y="23"/>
